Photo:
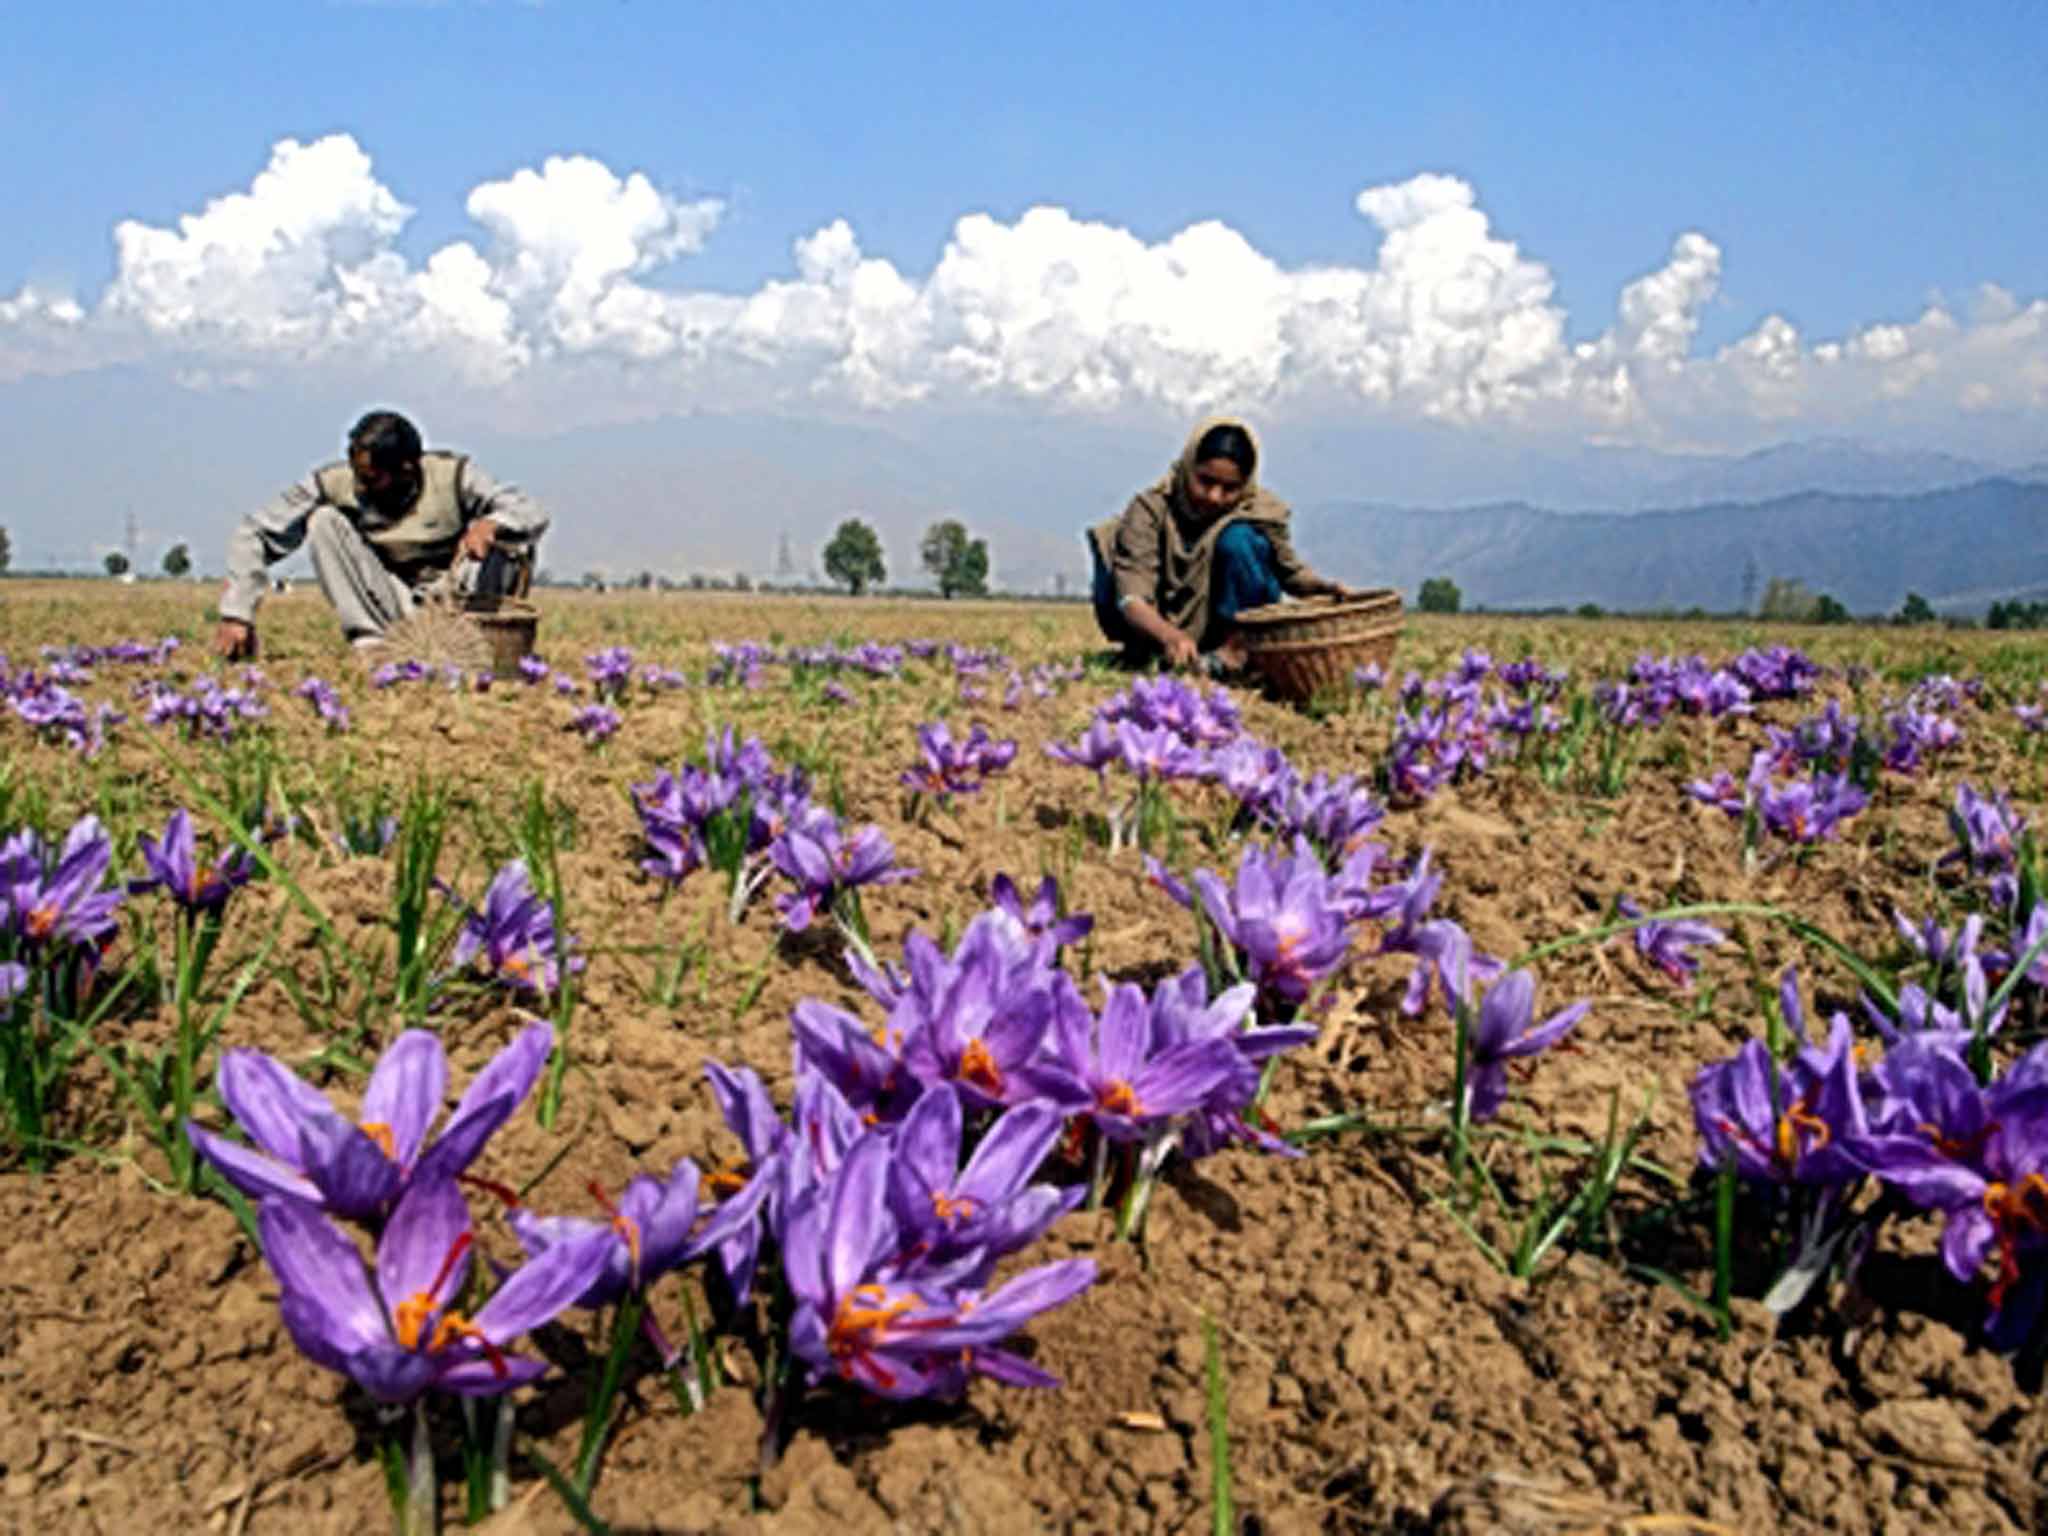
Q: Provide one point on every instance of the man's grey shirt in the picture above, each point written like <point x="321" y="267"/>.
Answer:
<point x="278" y="527"/>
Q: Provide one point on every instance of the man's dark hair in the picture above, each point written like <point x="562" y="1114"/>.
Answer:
<point x="1228" y="442"/>
<point x="388" y="438"/>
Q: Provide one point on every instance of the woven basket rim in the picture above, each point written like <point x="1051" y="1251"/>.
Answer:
<point x="1377" y="600"/>
<point x="1322" y="643"/>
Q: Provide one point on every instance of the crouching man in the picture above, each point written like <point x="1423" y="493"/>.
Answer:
<point x="386" y="527"/>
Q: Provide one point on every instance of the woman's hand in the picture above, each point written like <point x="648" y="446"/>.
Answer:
<point x="1180" y="648"/>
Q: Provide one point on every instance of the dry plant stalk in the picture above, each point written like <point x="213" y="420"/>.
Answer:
<point x="438" y="634"/>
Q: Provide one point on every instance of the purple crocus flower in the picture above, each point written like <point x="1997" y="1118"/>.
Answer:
<point x="596" y="723"/>
<point x="968" y="1218"/>
<point x="61" y="901"/>
<point x="907" y="1335"/>
<point x="1503" y="1030"/>
<point x="751" y="1116"/>
<point x="1667" y="945"/>
<point x="1794" y="1124"/>
<point x="1096" y="749"/>
<point x="512" y="939"/>
<point x="305" y="1150"/>
<point x="1138" y="1081"/>
<point x="396" y="1333"/>
<point x="652" y="1229"/>
<point x="1282" y="917"/>
<point x="13" y="980"/>
<point x="950" y="767"/>
<point x="1042" y="918"/>
<point x="824" y="862"/>
<point x="610" y="670"/>
<point x="174" y="868"/>
<point x="1810" y="810"/>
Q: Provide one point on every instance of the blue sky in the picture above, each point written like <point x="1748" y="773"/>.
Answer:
<point x="1774" y="182"/>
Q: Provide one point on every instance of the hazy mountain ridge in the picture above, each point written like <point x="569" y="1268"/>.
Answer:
<point x="1961" y="548"/>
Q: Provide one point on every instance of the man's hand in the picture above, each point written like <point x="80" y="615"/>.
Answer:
<point x="478" y="538"/>
<point x="235" y="639"/>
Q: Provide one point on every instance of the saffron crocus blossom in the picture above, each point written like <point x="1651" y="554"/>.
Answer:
<point x="595" y="723"/>
<point x="1443" y="951"/>
<point x="1794" y="1124"/>
<point x="1137" y="1080"/>
<point x="512" y="937"/>
<point x="1096" y="749"/>
<point x="949" y="767"/>
<point x="305" y="1150"/>
<point x="174" y="868"/>
<point x="1810" y="810"/>
<point x="968" y="1218"/>
<point x="651" y="1229"/>
<point x="1504" y="1029"/>
<point x="1668" y="945"/>
<point x="824" y="863"/>
<point x="899" y="1333"/>
<point x="610" y="670"/>
<point x="397" y="1333"/>
<point x="13" y="980"/>
<point x="50" y="902"/>
<point x="1042" y="917"/>
<point x="748" y="1113"/>
<point x="1979" y="1156"/>
<point x="1987" y="830"/>
<point x="1282" y="918"/>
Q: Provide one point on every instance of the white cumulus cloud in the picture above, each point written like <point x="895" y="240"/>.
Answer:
<point x="575" y="287"/>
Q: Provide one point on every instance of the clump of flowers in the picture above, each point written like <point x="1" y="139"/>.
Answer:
<point x="949" y="766"/>
<point x="512" y="939"/>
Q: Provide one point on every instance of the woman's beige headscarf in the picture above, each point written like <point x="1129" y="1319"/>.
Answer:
<point x="1162" y="551"/>
<point x="1175" y="484"/>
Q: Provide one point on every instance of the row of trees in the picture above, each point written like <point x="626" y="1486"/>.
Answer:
<point x="177" y="559"/>
<point x="956" y="561"/>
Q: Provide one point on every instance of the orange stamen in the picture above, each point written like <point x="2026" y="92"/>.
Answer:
<point x="381" y="1134"/>
<point x="1117" y="1098"/>
<point x="721" y="1182"/>
<point x="409" y="1317"/>
<point x="1795" y="1120"/>
<point x="951" y="1211"/>
<point x="978" y="1066"/>
<point x="627" y="1228"/>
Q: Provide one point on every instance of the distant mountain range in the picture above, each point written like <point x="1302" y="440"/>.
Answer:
<point x="1962" y="547"/>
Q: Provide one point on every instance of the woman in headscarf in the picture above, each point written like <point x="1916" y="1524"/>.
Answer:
<point x="1196" y="549"/>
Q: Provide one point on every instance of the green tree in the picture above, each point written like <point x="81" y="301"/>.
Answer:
<point x="1439" y="594"/>
<point x="1828" y="611"/>
<point x="1786" y="598"/>
<point x="957" y="563"/>
<point x="1591" y="611"/>
<point x="6" y="550"/>
<point x="116" y="563"/>
<point x="177" y="561"/>
<point x="1915" y="610"/>
<point x="854" y="557"/>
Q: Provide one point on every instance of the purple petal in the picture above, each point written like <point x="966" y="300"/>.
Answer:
<point x="1010" y="1153"/>
<point x="406" y="1091"/>
<point x="413" y="1253"/>
<point x="254" y="1174"/>
<point x="928" y="1140"/>
<point x="543" y="1289"/>
<point x="268" y="1101"/>
<point x="858" y="1225"/>
<point x="315" y="1262"/>
<point x="496" y="1092"/>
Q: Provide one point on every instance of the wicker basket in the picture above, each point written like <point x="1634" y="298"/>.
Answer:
<point x="509" y="624"/>
<point x="1314" y="646"/>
